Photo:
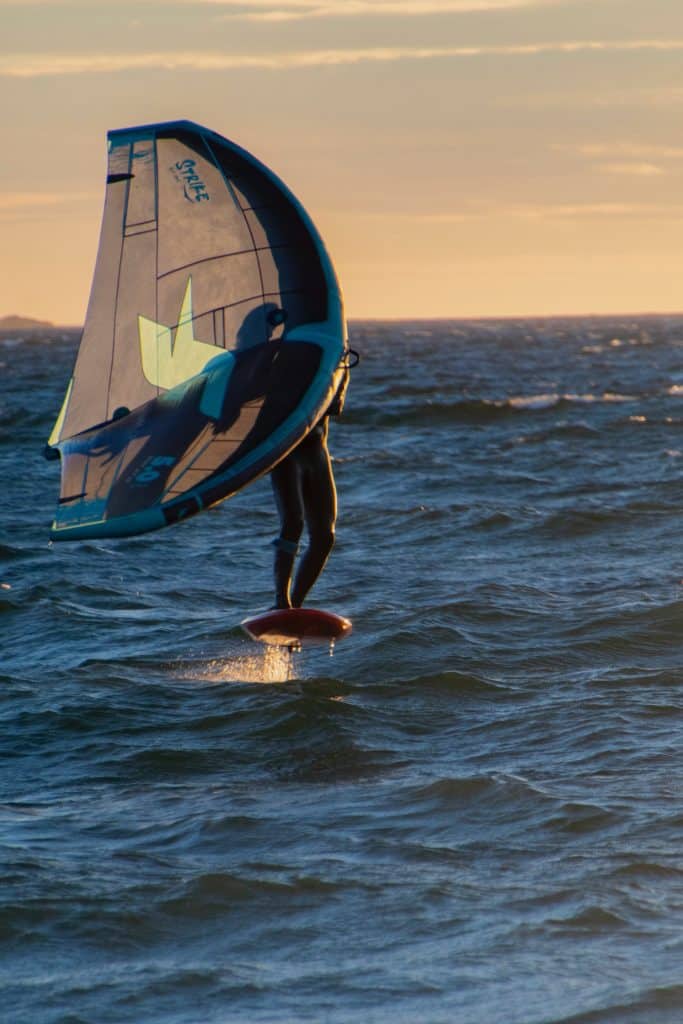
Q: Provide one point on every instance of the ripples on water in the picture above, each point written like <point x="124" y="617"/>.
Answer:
<point x="470" y="813"/>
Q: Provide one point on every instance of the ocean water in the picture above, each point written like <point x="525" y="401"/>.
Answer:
<point x="470" y="813"/>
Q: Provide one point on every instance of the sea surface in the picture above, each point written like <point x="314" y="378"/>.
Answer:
<point x="471" y="813"/>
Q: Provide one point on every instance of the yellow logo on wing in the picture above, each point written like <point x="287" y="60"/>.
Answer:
<point x="167" y="358"/>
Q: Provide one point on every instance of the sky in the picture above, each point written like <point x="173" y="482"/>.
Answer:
<point x="461" y="158"/>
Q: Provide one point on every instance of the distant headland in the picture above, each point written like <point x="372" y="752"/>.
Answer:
<point x="23" y="323"/>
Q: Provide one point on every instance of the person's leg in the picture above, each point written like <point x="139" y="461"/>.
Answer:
<point x="287" y="488"/>
<point x="320" y="509"/>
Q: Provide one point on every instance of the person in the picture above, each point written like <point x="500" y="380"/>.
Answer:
<point x="305" y="494"/>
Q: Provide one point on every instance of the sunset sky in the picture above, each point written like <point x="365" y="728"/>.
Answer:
<point x="460" y="157"/>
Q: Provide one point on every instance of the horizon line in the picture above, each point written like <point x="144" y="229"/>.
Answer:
<point x="39" y="324"/>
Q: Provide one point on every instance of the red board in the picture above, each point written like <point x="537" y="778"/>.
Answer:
<point x="287" y="627"/>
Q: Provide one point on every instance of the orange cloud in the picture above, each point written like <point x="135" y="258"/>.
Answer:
<point x="29" y="65"/>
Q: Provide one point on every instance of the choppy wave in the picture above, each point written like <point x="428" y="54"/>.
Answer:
<point x="472" y="804"/>
<point x="483" y="410"/>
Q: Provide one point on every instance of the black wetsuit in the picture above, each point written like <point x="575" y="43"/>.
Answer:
<point x="305" y="494"/>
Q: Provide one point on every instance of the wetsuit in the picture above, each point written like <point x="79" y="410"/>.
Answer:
<point x="305" y="494"/>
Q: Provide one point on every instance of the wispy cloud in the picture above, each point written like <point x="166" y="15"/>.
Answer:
<point x="39" y="64"/>
<point x="287" y="9"/>
<point x="634" y="159"/>
<point x="573" y="211"/>
<point x="33" y="200"/>
<point x="635" y="150"/>
<point x="290" y="10"/>
<point x="616" y="97"/>
<point x="539" y="212"/>
<point x="15" y="206"/>
<point x="636" y="170"/>
<point x="638" y="150"/>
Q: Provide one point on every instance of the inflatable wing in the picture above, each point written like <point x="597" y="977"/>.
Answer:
<point x="213" y="342"/>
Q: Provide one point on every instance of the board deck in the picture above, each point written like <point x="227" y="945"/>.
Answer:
<point x="287" y="627"/>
